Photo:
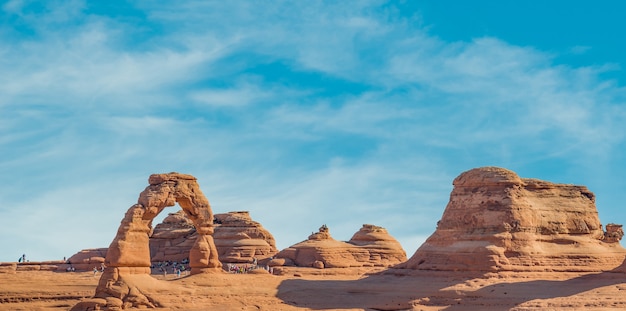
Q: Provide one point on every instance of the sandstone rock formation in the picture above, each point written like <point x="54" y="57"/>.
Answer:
<point x="370" y="246"/>
<point x="128" y="257"/>
<point x="383" y="249"/>
<point x="49" y="265"/>
<point x="8" y="267"/>
<point x="613" y="233"/>
<point x="237" y="237"/>
<point x="173" y="238"/>
<point x="497" y="221"/>
<point x="87" y="259"/>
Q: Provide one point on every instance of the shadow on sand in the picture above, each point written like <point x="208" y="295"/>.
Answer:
<point x="395" y="290"/>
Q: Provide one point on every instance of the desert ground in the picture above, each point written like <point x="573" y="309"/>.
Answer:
<point x="332" y="289"/>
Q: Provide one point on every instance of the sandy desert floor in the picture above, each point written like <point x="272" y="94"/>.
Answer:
<point x="329" y="289"/>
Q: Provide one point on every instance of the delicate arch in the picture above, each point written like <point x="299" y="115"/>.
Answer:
<point x="128" y="257"/>
<point x="130" y="248"/>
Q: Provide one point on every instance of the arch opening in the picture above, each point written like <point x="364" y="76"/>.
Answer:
<point x="161" y="242"/>
<point x="128" y="257"/>
<point x="130" y="248"/>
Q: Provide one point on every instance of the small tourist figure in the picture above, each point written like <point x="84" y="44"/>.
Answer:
<point x="95" y="270"/>
<point x="164" y="272"/>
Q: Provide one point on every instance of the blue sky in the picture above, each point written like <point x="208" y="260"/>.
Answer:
<point x="303" y="113"/>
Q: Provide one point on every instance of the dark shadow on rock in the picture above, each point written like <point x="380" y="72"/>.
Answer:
<point x="383" y="291"/>
<point x="505" y="296"/>
<point x="392" y="290"/>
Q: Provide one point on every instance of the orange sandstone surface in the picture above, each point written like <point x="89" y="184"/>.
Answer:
<point x="371" y="246"/>
<point x="503" y="243"/>
<point x="237" y="237"/>
<point x="497" y="221"/>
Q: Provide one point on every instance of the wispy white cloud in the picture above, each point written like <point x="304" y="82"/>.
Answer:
<point x="366" y="119"/>
<point x="344" y="196"/>
<point x="245" y="92"/>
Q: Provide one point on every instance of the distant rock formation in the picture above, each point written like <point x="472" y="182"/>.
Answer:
<point x="613" y="233"/>
<point x="8" y="267"/>
<point x="173" y="238"/>
<point x="13" y="267"/>
<point x="86" y="259"/>
<point x="370" y="246"/>
<point x="383" y="249"/>
<point x="497" y="221"/>
<point x="128" y="257"/>
<point x="237" y="237"/>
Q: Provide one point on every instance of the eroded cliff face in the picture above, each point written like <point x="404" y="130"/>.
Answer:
<point x="497" y="221"/>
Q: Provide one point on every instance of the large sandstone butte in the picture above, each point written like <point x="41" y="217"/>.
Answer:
<point x="238" y="238"/>
<point x="371" y="246"/>
<point x="128" y="257"/>
<point x="497" y="221"/>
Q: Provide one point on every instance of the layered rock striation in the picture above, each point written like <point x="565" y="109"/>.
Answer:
<point x="497" y="221"/>
<point x="371" y="246"/>
<point x="173" y="238"/>
<point x="238" y="238"/>
<point x="383" y="249"/>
